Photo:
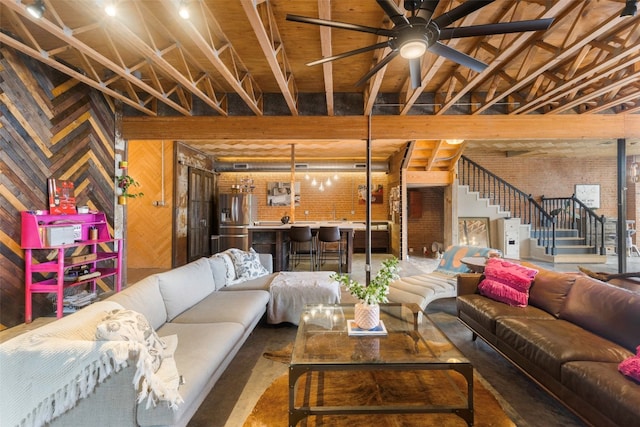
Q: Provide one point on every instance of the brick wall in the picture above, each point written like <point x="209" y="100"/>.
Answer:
<point x="340" y="197"/>
<point x="429" y="227"/>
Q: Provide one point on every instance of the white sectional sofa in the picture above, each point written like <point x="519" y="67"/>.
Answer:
<point x="206" y="305"/>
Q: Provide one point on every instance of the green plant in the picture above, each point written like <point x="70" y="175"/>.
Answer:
<point x="124" y="183"/>
<point x="378" y="288"/>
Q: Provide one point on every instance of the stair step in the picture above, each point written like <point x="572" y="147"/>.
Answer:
<point x="579" y="259"/>
<point x="575" y="249"/>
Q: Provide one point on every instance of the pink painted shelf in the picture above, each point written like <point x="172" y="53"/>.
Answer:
<point x="104" y="253"/>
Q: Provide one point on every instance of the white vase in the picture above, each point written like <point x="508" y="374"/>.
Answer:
<point x="367" y="316"/>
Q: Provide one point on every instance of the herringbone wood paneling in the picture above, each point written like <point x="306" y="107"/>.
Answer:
<point x="50" y="127"/>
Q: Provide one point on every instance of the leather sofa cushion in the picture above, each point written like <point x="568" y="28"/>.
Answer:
<point x="550" y="288"/>
<point x="607" y="310"/>
<point x="486" y="311"/>
<point x="607" y="390"/>
<point x="550" y="343"/>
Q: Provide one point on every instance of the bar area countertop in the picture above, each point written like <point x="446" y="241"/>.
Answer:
<point x="273" y="237"/>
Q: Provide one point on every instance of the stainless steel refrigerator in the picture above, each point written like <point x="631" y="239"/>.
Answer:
<point x="236" y="211"/>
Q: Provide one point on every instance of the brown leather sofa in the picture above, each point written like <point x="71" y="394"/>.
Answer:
<point x="570" y="339"/>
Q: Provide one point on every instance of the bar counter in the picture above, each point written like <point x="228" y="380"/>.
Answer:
<point x="273" y="237"/>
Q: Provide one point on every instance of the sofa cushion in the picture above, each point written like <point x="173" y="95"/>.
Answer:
<point x="450" y="262"/>
<point x="201" y="357"/>
<point x="548" y="344"/>
<point x="247" y="264"/>
<point x="550" y="288"/>
<point x="144" y="297"/>
<point x="607" y="310"/>
<point x="219" y="270"/>
<point x="234" y="306"/>
<point x="486" y="312"/>
<point x="184" y="286"/>
<point x="601" y="387"/>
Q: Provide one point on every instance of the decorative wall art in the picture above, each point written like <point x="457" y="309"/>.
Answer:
<point x="589" y="194"/>
<point x="279" y="193"/>
<point x="377" y="194"/>
<point x="474" y="232"/>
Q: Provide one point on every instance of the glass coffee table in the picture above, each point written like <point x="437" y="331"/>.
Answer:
<point x="410" y="342"/>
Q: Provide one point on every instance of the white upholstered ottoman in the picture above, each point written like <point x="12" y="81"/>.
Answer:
<point x="291" y="290"/>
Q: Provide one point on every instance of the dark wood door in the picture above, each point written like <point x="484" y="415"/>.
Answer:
<point x="200" y="213"/>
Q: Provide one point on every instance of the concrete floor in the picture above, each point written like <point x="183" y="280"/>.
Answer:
<point x="250" y="374"/>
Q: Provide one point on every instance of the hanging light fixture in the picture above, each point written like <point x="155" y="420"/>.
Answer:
<point x="454" y="141"/>
<point x="314" y="182"/>
<point x="36" y="9"/>
<point x="328" y="182"/>
<point x="306" y="176"/>
<point x="321" y="188"/>
<point x="110" y="8"/>
<point x="183" y="10"/>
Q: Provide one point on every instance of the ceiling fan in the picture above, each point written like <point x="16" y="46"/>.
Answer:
<point x="411" y="36"/>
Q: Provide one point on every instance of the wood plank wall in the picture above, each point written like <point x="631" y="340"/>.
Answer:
<point x="51" y="126"/>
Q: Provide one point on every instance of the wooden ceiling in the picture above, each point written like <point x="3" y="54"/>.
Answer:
<point x="243" y="58"/>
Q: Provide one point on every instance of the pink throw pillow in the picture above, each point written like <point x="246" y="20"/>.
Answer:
<point x="507" y="282"/>
<point x="630" y="367"/>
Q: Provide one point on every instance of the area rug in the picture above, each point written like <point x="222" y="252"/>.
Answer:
<point x="373" y="388"/>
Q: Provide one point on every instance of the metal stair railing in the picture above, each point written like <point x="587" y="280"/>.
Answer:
<point x="571" y="213"/>
<point x="510" y="199"/>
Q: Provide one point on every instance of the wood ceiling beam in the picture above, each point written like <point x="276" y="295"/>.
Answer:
<point x="562" y="55"/>
<point x="395" y="128"/>
<point x="517" y="44"/>
<point x="243" y="84"/>
<point x="273" y="48"/>
<point x="9" y="41"/>
<point x="324" y="12"/>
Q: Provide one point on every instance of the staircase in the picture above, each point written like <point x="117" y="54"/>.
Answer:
<point x="548" y="232"/>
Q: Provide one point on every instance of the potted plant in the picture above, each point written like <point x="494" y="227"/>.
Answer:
<point x="367" y="310"/>
<point x="123" y="185"/>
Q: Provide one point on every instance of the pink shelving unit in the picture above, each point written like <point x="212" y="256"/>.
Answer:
<point x="39" y="228"/>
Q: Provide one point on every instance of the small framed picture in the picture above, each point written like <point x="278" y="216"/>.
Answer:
<point x="589" y="194"/>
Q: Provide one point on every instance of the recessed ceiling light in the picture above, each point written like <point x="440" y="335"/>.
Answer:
<point x="36" y="9"/>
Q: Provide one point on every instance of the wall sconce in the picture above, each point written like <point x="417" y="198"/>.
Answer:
<point x="634" y="172"/>
<point x="630" y="8"/>
<point x="454" y="141"/>
<point x="36" y="9"/>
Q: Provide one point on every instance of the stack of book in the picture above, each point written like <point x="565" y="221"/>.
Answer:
<point x="79" y="273"/>
<point x="74" y="302"/>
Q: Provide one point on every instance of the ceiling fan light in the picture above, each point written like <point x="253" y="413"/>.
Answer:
<point x="413" y="49"/>
<point x="110" y="8"/>
<point x="36" y="9"/>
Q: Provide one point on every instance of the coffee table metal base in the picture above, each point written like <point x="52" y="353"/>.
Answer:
<point x="298" y="413"/>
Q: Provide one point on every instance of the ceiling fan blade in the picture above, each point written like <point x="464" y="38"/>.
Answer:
<point x="415" y="73"/>
<point x="393" y="11"/>
<point x="427" y="7"/>
<point x="349" y="53"/>
<point x="383" y="62"/>
<point x="457" y="56"/>
<point x="500" y="28"/>
<point x="461" y="11"/>
<point x="341" y="25"/>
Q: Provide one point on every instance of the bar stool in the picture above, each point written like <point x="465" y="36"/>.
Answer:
<point x="298" y="236"/>
<point x="328" y="239"/>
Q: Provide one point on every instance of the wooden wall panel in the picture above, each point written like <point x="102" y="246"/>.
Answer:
<point x="50" y="127"/>
<point x="149" y="231"/>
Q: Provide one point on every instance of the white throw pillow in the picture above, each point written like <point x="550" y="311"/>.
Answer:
<point x="219" y="270"/>
<point x="247" y="264"/>
<point x="230" y="270"/>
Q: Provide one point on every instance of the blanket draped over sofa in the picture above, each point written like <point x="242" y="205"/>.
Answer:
<point x="56" y="366"/>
